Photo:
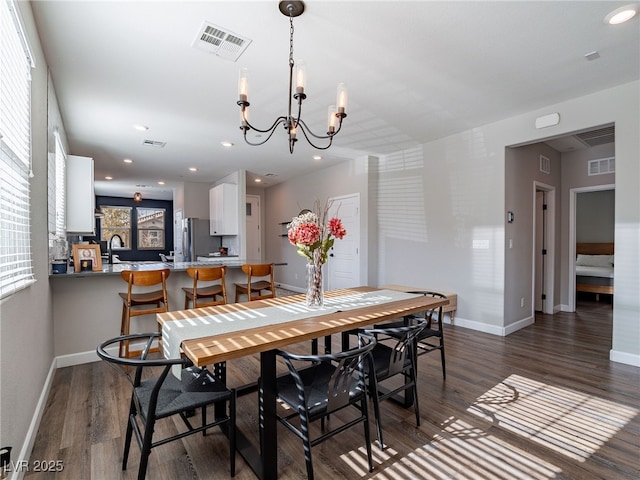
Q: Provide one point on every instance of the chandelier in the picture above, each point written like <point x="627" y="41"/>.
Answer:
<point x="292" y="124"/>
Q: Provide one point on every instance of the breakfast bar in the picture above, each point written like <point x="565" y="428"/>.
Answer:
<point x="86" y="306"/>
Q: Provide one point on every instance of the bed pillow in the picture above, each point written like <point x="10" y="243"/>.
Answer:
<point x="595" y="260"/>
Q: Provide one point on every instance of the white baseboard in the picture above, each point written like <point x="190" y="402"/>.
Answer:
<point x="290" y="287"/>
<point x="77" y="359"/>
<point x="492" y="329"/>
<point x="32" y="432"/>
<point x="624" y="357"/>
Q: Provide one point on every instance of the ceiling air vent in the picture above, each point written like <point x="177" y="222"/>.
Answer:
<point x="221" y="42"/>
<point x="153" y="143"/>
<point x="600" y="136"/>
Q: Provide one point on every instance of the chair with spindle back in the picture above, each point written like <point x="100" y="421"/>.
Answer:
<point x="259" y="279"/>
<point x="206" y="295"/>
<point x="142" y="301"/>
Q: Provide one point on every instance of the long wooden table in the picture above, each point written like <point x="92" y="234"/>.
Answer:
<point x="268" y="332"/>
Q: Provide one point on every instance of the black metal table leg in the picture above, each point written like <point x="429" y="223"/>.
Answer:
<point x="268" y="422"/>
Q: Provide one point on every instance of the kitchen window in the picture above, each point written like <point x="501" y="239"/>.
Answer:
<point x="16" y="270"/>
<point x="150" y="228"/>
<point x="116" y="221"/>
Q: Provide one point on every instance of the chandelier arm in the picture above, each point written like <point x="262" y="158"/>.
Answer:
<point x="280" y="119"/>
<point x="304" y="128"/>
<point x="273" y="129"/>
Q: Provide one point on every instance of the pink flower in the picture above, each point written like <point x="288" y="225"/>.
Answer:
<point x="292" y="236"/>
<point x="306" y="234"/>
<point x="336" y="228"/>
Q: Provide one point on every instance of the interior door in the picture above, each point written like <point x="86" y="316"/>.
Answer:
<point x="254" y="251"/>
<point x="343" y="265"/>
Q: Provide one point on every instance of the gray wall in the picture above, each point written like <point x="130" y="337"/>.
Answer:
<point x="26" y="318"/>
<point x="284" y="201"/>
<point x="522" y="169"/>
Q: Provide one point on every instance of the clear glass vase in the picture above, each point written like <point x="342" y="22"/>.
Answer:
<point x="315" y="293"/>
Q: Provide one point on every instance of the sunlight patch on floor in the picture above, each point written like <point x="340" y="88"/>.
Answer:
<point x="572" y="423"/>
<point x="464" y="451"/>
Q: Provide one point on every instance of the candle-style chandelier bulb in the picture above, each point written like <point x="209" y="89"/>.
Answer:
<point x="297" y="85"/>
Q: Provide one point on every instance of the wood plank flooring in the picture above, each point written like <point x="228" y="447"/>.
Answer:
<point x="542" y="403"/>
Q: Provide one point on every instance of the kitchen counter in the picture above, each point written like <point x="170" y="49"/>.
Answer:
<point x="87" y="307"/>
<point x="116" y="268"/>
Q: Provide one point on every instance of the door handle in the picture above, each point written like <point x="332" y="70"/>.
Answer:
<point x="331" y="254"/>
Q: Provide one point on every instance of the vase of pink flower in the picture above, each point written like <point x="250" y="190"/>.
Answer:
<point x="313" y="233"/>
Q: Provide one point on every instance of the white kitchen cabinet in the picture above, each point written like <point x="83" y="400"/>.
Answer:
<point x="223" y="209"/>
<point x="80" y="199"/>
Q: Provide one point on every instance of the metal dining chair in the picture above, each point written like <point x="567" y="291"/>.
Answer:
<point x="164" y="396"/>
<point x="431" y="339"/>
<point x="394" y="354"/>
<point x="320" y="385"/>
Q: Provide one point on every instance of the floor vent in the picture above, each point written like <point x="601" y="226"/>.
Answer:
<point x="221" y="42"/>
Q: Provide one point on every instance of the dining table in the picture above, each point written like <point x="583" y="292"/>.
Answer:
<point x="215" y="335"/>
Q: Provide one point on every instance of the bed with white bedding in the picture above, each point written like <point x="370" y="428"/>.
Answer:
<point x="594" y="268"/>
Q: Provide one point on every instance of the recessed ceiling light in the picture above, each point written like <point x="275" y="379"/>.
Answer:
<point x="317" y="157"/>
<point x="108" y="178"/>
<point x="193" y="169"/>
<point x="258" y="180"/>
<point x="160" y="182"/>
<point x="227" y="144"/>
<point x="140" y="127"/>
<point x="127" y="160"/>
<point x="621" y="15"/>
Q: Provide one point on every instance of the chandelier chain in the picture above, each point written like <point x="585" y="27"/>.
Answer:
<point x="291" y="63"/>
<point x="292" y="124"/>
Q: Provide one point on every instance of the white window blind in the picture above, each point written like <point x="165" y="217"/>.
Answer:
<point x="56" y="187"/>
<point x="61" y="162"/>
<point x="15" y="153"/>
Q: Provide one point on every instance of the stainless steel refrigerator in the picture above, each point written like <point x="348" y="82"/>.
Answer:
<point x="197" y="240"/>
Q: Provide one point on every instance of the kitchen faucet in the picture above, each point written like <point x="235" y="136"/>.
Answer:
<point x="110" y="244"/>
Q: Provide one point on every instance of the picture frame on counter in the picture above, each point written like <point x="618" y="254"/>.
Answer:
<point x="86" y="257"/>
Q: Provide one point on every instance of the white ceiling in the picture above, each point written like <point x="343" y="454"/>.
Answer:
<point x="416" y="71"/>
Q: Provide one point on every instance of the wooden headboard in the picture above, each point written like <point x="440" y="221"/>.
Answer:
<point x="605" y="248"/>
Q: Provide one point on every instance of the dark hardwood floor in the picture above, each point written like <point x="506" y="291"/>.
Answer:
<point x="543" y="403"/>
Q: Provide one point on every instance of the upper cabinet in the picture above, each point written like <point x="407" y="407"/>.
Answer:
<point x="80" y="199"/>
<point x="223" y="209"/>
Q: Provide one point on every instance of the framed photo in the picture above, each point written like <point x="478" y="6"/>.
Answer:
<point x="81" y="256"/>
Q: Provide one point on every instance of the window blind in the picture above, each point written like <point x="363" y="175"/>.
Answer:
<point x="16" y="270"/>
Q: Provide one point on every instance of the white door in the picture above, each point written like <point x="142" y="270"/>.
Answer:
<point x="343" y="265"/>
<point x="254" y="252"/>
